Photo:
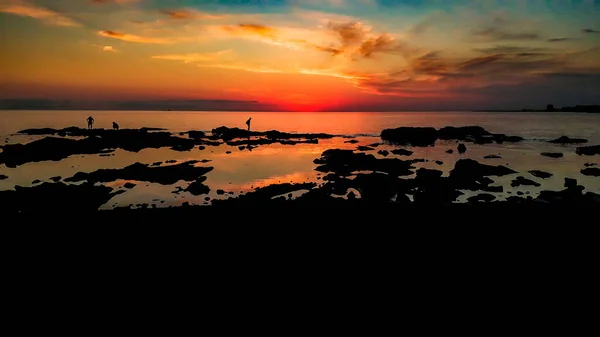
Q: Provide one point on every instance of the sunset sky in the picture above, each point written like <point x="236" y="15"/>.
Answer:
<point x="304" y="55"/>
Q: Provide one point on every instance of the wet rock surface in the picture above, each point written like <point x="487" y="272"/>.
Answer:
<point x="165" y="175"/>
<point x="567" y="140"/>
<point x="540" y="174"/>
<point x="591" y="171"/>
<point x="56" y="198"/>
<point x="522" y="181"/>
<point x="552" y="154"/>
<point x="228" y="134"/>
<point x="427" y="136"/>
<point x="588" y="150"/>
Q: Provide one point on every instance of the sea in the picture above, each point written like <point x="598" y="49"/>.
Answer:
<point x="242" y="171"/>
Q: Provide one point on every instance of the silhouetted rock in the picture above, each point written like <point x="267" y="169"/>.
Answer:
<point x="344" y="162"/>
<point x="197" y="187"/>
<point x="129" y="185"/>
<point x="450" y="151"/>
<point x="201" y="147"/>
<point x="384" y="153"/>
<point x="54" y="198"/>
<point x="467" y="172"/>
<point x="567" y="140"/>
<point x="165" y="175"/>
<point x="402" y="152"/>
<point x="439" y="162"/>
<point x="97" y="141"/>
<point x="3" y="177"/>
<point x="264" y="194"/>
<point x="415" y="136"/>
<point x="351" y="141"/>
<point x="591" y="171"/>
<point x="485" y="197"/>
<point x="228" y="134"/>
<point x="220" y="192"/>
<point x="374" y="144"/>
<point x="522" y="181"/>
<point x="156" y="163"/>
<point x="462" y="133"/>
<point x="588" y="150"/>
<point x="492" y="156"/>
<point x="227" y="152"/>
<point x="461" y="148"/>
<point x="552" y="154"/>
<point x="540" y="174"/>
<point x="570" y="182"/>
<point x="196" y="134"/>
<point x="37" y="181"/>
<point x="590" y="164"/>
<point x="365" y="148"/>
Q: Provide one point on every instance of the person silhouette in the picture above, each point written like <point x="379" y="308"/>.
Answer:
<point x="90" y="121"/>
<point x="248" y="123"/>
<point x="115" y="126"/>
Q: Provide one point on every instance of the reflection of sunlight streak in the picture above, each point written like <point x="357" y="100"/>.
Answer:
<point x="293" y="178"/>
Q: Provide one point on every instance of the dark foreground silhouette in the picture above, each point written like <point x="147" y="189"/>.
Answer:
<point x="352" y="182"/>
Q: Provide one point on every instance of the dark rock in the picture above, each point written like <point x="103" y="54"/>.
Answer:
<point x="182" y="147"/>
<point x="56" y="198"/>
<point x="228" y="152"/>
<point x="196" y="134"/>
<point x="165" y="175"/>
<point x="591" y="171"/>
<point x="492" y="156"/>
<point x="439" y="162"/>
<point x="570" y="182"/>
<point x="402" y="152"/>
<point x="428" y="174"/>
<point x="220" y="192"/>
<point x="228" y="134"/>
<point x="158" y="163"/>
<point x="129" y="185"/>
<point x="344" y="162"/>
<point x="205" y="161"/>
<point x="365" y="148"/>
<point x="588" y="150"/>
<point x="201" y="147"/>
<point x="494" y="189"/>
<point x="37" y="181"/>
<point x="590" y="164"/>
<point x="461" y="148"/>
<point x="467" y="172"/>
<point x="450" y="151"/>
<point x="567" y="140"/>
<point x="552" y="154"/>
<point x="197" y="187"/>
<point x="171" y="161"/>
<point x="3" y="177"/>
<point x="241" y="148"/>
<point x="207" y="198"/>
<point x="462" y="133"/>
<point x="522" y="181"/>
<point x="481" y="197"/>
<point x="520" y="193"/>
<point x="374" y="144"/>
<point x="265" y="194"/>
<point x="384" y="153"/>
<point x="540" y="174"/>
<point x="351" y="196"/>
<point x="415" y="136"/>
<point x="351" y="141"/>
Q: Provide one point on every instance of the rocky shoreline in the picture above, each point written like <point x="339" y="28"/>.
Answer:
<point x="352" y="179"/>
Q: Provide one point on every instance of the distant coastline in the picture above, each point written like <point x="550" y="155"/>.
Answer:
<point x="551" y="108"/>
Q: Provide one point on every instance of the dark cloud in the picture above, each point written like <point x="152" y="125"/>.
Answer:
<point x="560" y="39"/>
<point x="510" y="50"/>
<point x="497" y="34"/>
<point x="590" y="31"/>
<point x="177" y="13"/>
<point x="350" y="33"/>
<point x="380" y="44"/>
<point x="430" y="64"/>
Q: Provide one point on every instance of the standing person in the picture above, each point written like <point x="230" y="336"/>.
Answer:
<point x="90" y="121"/>
<point x="248" y="123"/>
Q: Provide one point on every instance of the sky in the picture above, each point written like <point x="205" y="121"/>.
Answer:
<point x="304" y="55"/>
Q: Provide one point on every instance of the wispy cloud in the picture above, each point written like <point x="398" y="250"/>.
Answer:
<point x="115" y="1"/>
<point x="590" y="31"/>
<point x="560" y="39"/>
<point x="22" y="8"/>
<point x="195" y="57"/>
<point x="133" y="38"/>
<point x="106" y="48"/>
<point x="186" y="13"/>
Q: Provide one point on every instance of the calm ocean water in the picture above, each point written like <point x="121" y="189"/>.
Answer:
<point x="530" y="125"/>
<point x="241" y="171"/>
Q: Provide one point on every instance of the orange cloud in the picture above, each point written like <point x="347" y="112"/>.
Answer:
<point x="250" y="28"/>
<point x="195" y="57"/>
<point x="106" y="48"/>
<point x="133" y="38"/>
<point x="23" y="8"/>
